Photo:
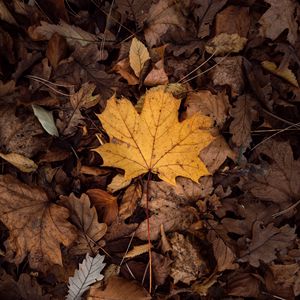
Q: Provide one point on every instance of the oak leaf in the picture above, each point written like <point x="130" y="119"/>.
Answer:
<point x="36" y="226"/>
<point x="154" y="141"/>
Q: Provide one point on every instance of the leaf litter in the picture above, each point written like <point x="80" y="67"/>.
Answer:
<point x="185" y="190"/>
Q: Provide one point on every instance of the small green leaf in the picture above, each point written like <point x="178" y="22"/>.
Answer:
<point x="46" y="119"/>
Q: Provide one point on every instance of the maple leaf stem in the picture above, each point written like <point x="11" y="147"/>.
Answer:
<point x="148" y="231"/>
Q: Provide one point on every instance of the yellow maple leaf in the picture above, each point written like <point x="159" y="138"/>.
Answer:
<point x="154" y="141"/>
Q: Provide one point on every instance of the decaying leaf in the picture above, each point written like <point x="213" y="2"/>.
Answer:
<point x="265" y="242"/>
<point x="137" y="250"/>
<point x="21" y="162"/>
<point x="138" y="56"/>
<point x="119" y="288"/>
<point x="88" y="273"/>
<point x="86" y="220"/>
<point x="154" y="140"/>
<point x="285" y="73"/>
<point x="37" y="227"/>
<point x="276" y="19"/>
<point x="226" y="43"/>
<point x="162" y="16"/>
<point x="215" y="106"/>
<point x="188" y="264"/>
<point x="243" y="115"/>
<point x="71" y="33"/>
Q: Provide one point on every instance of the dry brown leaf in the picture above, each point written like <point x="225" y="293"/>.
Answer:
<point x="265" y="242"/>
<point x="119" y="229"/>
<point x="56" y="49"/>
<point x="7" y="88"/>
<point x="242" y="284"/>
<point x="129" y="200"/>
<point x="123" y="68"/>
<point x="161" y="267"/>
<point x="5" y="14"/>
<point x="84" y="97"/>
<point x="229" y="71"/>
<point x="226" y="43"/>
<point x="118" y="182"/>
<point x="161" y="17"/>
<point x="285" y="73"/>
<point x="137" y="250"/>
<point x="157" y="75"/>
<point x="216" y="153"/>
<point x="203" y="287"/>
<point x="224" y="256"/>
<point x="21" y="162"/>
<point x="188" y="265"/>
<point x="86" y="220"/>
<point x="37" y="227"/>
<point x="279" y="181"/>
<point x="233" y="19"/>
<point x="119" y="288"/>
<point x="281" y="280"/>
<point x="215" y="106"/>
<point x="71" y="33"/>
<point x="243" y="115"/>
<point x="138" y="56"/>
<point x="105" y="204"/>
<point x="154" y="141"/>
<point x="277" y="19"/>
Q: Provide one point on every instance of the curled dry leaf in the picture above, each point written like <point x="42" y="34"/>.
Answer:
<point x="161" y="267"/>
<point x="21" y="162"/>
<point x="56" y="49"/>
<point x="284" y="73"/>
<point x="118" y="288"/>
<point x="123" y="68"/>
<point x="5" y="14"/>
<point x="118" y="182"/>
<point x="188" y="265"/>
<point x="226" y="43"/>
<point x="215" y="106"/>
<point x="105" y="204"/>
<point x="37" y="227"/>
<point x="243" y="115"/>
<point x="154" y="140"/>
<point x="86" y="220"/>
<point x="137" y="250"/>
<point x="138" y="56"/>
<point x="276" y="19"/>
<point x="157" y="75"/>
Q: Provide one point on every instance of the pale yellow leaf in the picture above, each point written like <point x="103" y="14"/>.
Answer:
<point x="285" y="73"/>
<point x="154" y="141"/>
<point x="138" y="55"/>
<point x="21" y="162"/>
<point x="226" y="43"/>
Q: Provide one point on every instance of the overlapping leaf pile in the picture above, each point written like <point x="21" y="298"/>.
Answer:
<point x="183" y="111"/>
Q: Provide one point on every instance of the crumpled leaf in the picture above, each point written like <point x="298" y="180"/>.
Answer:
<point x="87" y="274"/>
<point x="21" y="162"/>
<point x="284" y="73"/>
<point x="226" y="43"/>
<point x="276" y="19"/>
<point x="154" y="140"/>
<point x="265" y="242"/>
<point x="46" y="119"/>
<point x="188" y="265"/>
<point x="243" y="115"/>
<point x="138" y="55"/>
<point x="162" y="16"/>
<point x="71" y="33"/>
<point x="119" y="288"/>
<point x="37" y="227"/>
<point x="86" y="220"/>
